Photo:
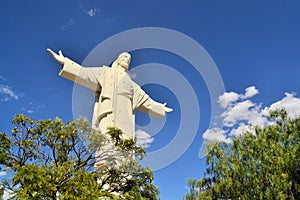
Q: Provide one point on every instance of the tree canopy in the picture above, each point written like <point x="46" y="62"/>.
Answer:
<point x="50" y="159"/>
<point x="260" y="165"/>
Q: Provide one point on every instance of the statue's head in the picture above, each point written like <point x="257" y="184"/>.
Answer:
<point x="124" y="60"/>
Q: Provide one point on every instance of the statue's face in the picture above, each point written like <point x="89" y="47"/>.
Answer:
<point x="124" y="60"/>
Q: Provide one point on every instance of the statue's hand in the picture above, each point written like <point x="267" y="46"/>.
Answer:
<point x="58" y="57"/>
<point x="167" y="109"/>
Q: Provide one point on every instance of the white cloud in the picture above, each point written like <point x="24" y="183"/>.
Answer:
<point x="238" y="112"/>
<point x="216" y="134"/>
<point x="227" y="98"/>
<point x="242" y="115"/>
<point x="250" y="92"/>
<point x="244" y="111"/>
<point x="92" y="12"/>
<point x="143" y="139"/>
<point x="6" y="93"/>
<point x="241" y="128"/>
<point x="290" y="103"/>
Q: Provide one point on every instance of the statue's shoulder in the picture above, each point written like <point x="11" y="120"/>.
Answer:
<point x="105" y="67"/>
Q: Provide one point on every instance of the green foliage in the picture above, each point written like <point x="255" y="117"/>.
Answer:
<point x="264" y="165"/>
<point x="48" y="159"/>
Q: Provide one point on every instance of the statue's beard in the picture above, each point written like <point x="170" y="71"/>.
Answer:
<point x="124" y="66"/>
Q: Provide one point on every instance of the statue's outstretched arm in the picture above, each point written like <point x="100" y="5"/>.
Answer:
<point x="142" y="102"/>
<point x="85" y="76"/>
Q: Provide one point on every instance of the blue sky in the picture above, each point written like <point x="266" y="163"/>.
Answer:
<point x="254" y="45"/>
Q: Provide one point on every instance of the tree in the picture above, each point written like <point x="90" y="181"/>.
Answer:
<point x="263" y="165"/>
<point x="48" y="159"/>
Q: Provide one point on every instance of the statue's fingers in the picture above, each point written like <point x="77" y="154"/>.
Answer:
<point x="50" y="51"/>
<point x="60" y="53"/>
<point x="168" y="109"/>
<point x="53" y="54"/>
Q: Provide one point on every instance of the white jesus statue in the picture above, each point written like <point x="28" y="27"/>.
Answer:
<point x="117" y="96"/>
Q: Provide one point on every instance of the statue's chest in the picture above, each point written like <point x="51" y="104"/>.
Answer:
<point x="117" y="82"/>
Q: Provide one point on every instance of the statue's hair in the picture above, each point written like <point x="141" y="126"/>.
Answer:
<point x="123" y="53"/>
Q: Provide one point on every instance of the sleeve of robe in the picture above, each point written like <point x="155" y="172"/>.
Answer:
<point x="85" y="76"/>
<point x="142" y="102"/>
